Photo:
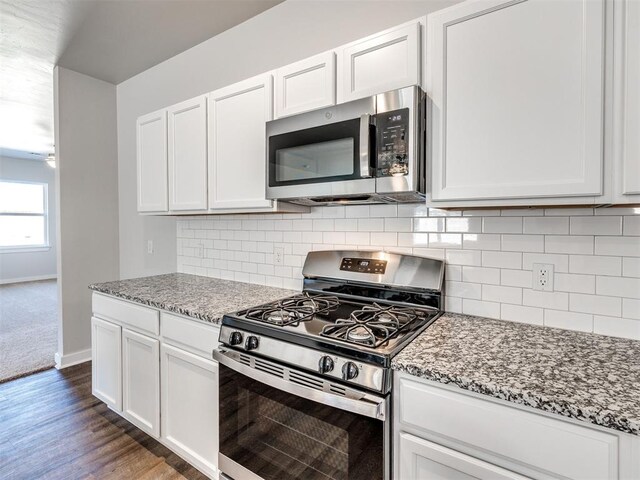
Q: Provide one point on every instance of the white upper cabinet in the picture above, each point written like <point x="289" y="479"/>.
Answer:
<point x="379" y="63"/>
<point x="517" y="100"/>
<point x="188" y="155"/>
<point x="151" y="132"/>
<point x="626" y="119"/>
<point x="237" y="144"/>
<point x="305" y="85"/>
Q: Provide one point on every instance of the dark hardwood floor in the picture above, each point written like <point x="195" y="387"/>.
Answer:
<point x="51" y="427"/>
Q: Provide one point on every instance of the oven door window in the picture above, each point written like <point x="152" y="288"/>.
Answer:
<point x="313" y="155"/>
<point x="280" y="436"/>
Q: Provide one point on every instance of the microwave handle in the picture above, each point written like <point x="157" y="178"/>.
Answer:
<point x="365" y="122"/>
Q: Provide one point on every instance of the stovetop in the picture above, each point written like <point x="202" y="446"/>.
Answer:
<point x="366" y="330"/>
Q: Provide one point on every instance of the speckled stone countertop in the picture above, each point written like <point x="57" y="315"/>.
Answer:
<point x="588" y="377"/>
<point x="203" y="298"/>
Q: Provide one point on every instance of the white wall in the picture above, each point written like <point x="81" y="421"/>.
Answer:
<point x="489" y="254"/>
<point x="288" y="32"/>
<point x="35" y="265"/>
<point x="85" y="131"/>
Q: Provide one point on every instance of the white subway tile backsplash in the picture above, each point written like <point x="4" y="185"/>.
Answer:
<point x="596" y="304"/>
<point x="596" y="265"/>
<point x="502" y="225"/>
<point x="618" y="286"/>
<point x="502" y="259"/>
<point x="479" y="275"/>
<point x="622" y="246"/>
<point x="567" y="282"/>
<point x="519" y="313"/>
<point x="631" y="267"/>
<point x="560" y="262"/>
<point x="632" y="226"/>
<point x="568" y="320"/>
<point x="496" y="293"/>
<point x="596" y="226"/>
<point x="523" y="243"/>
<point x="489" y="253"/>
<point x="555" y="300"/>
<point x="546" y="225"/>
<point x="568" y="244"/>
<point x="616" y="327"/>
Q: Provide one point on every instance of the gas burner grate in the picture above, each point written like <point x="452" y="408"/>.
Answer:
<point x="372" y="325"/>
<point x="292" y="310"/>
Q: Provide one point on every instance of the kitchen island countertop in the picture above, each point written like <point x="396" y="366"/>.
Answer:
<point x="584" y="376"/>
<point x="204" y="298"/>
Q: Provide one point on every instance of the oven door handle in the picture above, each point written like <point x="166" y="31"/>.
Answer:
<point x="356" y="401"/>
<point x="365" y="169"/>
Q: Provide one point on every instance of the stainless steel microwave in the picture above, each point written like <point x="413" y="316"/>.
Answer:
<point x="365" y="151"/>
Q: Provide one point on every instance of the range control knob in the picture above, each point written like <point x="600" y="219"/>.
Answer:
<point x="251" y="343"/>
<point x="349" y="371"/>
<point x="235" y="338"/>
<point x="325" y="365"/>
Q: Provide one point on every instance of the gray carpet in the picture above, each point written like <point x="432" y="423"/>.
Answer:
<point x="28" y="327"/>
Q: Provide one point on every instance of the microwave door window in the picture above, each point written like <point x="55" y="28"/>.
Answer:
<point x="332" y="158"/>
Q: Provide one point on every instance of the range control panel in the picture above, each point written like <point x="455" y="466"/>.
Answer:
<point x="393" y="143"/>
<point x="364" y="265"/>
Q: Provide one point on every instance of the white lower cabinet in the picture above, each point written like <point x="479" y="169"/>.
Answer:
<point x="190" y="407"/>
<point x="156" y="371"/>
<point x="106" y="366"/>
<point x="443" y="432"/>
<point x="422" y="459"/>
<point x="141" y="381"/>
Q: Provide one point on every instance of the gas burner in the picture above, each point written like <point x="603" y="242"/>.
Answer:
<point x="372" y="325"/>
<point x="292" y="310"/>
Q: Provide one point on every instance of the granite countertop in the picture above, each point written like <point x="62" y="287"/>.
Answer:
<point x="200" y="297"/>
<point x="588" y="377"/>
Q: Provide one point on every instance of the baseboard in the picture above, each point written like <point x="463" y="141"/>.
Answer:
<point x="64" y="361"/>
<point x="27" y="279"/>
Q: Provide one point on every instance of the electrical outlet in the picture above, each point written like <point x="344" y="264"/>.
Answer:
<point x="543" y="277"/>
<point x="278" y="255"/>
<point x="150" y="247"/>
<point x="200" y="250"/>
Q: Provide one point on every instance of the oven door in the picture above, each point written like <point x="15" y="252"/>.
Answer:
<point x="282" y="424"/>
<point x="326" y="152"/>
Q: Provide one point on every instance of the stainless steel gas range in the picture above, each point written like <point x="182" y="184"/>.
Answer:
<point x="305" y="381"/>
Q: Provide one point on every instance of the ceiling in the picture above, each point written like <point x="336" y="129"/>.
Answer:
<point x="111" y="40"/>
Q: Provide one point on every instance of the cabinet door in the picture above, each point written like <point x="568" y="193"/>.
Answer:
<point x="237" y="144"/>
<point x="190" y="407"/>
<point x="420" y="459"/>
<point x="517" y="99"/>
<point x="305" y="85"/>
<point x="379" y="63"/>
<point x="106" y="362"/>
<point x="141" y="381"/>
<point x="188" y="155"/>
<point x="151" y="153"/>
<point x="627" y="101"/>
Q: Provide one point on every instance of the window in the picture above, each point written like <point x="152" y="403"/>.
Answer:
<point x="23" y="215"/>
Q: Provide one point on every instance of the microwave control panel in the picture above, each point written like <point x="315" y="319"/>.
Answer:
<point x="393" y="143"/>
<point x="364" y="265"/>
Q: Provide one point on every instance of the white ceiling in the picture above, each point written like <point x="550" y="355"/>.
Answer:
<point x="107" y="39"/>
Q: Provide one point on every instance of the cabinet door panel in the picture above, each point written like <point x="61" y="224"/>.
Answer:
<point x="379" y="63"/>
<point x="190" y="407"/>
<point x="305" y="85"/>
<point x="141" y="381"/>
<point x="151" y="156"/>
<point x="188" y="155"/>
<point x="237" y="144"/>
<point x="106" y="366"/>
<point x="627" y="141"/>
<point x="517" y="99"/>
<point x="422" y="460"/>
